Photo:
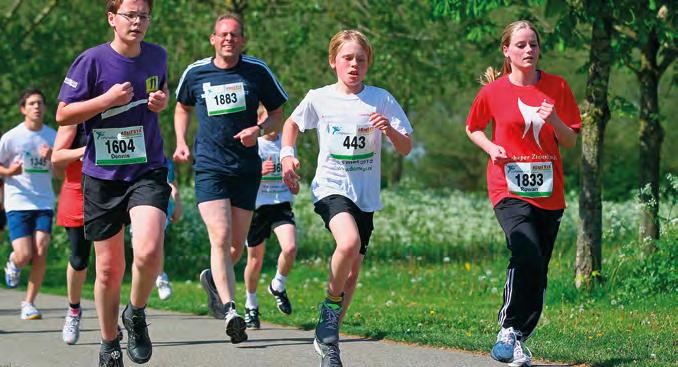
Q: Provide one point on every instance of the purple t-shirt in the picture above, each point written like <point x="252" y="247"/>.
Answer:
<point x="123" y="142"/>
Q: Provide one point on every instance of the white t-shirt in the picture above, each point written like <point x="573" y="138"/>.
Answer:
<point x="349" y="161"/>
<point x="32" y="189"/>
<point x="272" y="189"/>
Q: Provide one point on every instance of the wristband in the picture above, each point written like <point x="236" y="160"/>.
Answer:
<point x="286" y="152"/>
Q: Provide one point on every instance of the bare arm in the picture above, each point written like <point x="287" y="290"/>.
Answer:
<point x="496" y="152"/>
<point x="182" y="117"/>
<point x="273" y="120"/>
<point x="290" y="163"/>
<point x="62" y="154"/>
<point x="178" y="204"/>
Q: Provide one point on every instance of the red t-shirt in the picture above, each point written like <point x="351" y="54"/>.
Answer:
<point x="535" y="170"/>
<point x="70" y="210"/>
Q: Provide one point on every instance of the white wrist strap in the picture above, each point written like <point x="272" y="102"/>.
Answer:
<point x="286" y="152"/>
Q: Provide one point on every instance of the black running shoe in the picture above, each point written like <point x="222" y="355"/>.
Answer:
<point x="327" y="329"/>
<point x="110" y="359"/>
<point x="252" y="318"/>
<point x="281" y="300"/>
<point x="139" y="347"/>
<point x="235" y="326"/>
<point x="119" y="333"/>
<point x="329" y="354"/>
<point x="214" y="305"/>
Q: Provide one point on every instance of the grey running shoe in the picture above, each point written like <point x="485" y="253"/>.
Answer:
<point x="235" y="326"/>
<point x="281" y="300"/>
<point x="329" y="354"/>
<point x="252" y="318"/>
<point x="111" y="359"/>
<point x="139" y="346"/>
<point x="214" y="305"/>
<point x="12" y="275"/>
<point x="327" y="329"/>
<point x="503" y="349"/>
<point x="71" y="330"/>
<point x="521" y="356"/>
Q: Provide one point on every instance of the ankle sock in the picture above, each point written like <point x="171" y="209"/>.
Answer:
<point x="278" y="283"/>
<point x="251" y="301"/>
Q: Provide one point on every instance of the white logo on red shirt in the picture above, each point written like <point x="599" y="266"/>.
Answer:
<point x="531" y="119"/>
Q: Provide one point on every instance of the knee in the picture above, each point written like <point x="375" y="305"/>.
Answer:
<point x="349" y="247"/>
<point x="22" y="258"/>
<point x="289" y="251"/>
<point x="110" y="275"/>
<point x="236" y="253"/>
<point x="151" y="257"/>
<point x="254" y="262"/>
<point x="78" y="262"/>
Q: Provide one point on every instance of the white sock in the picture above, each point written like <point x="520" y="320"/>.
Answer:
<point x="12" y="264"/>
<point x="278" y="283"/>
<point x="251" y="301"/>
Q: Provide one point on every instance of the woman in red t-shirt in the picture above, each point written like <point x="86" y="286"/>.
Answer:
<point x="69" y="148"/>
<point x="532" y="114"/>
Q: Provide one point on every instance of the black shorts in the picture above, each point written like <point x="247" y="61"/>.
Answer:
<point x="3" y="219"/>
<point x="265" y="219"/>
<point x="332" y="205"/>
<point x="241" y="190"/>
<point x="107" y="202"/>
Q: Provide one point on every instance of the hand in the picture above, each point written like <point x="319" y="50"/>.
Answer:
<point x="15" y="168"/>
<point x="380" y="122"/>
<point x="182" y="154"/>
<point x="290" y="177"/>
<point x="45" y="152"/>
<point x="157" y="101"/>
<point x="497" y="154"/>
<point x="267" y="166"/>
<point x="120" y="94"/>
<point x="248" y="137"/>
<point x="547" y="111"/>
<point x="178" y="211"/>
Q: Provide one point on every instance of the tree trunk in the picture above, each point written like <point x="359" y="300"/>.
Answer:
<point x="595" y="118"/>
<point x="651" y="135"/>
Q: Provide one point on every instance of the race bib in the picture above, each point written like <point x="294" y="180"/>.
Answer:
<point x="119" y="146"/>
<point x="276" y="175"/>
<point x="529" y="179"/>
<point x="351" y="142"/>
<point x="225" y="98"/>
<point x="34" y="164"/>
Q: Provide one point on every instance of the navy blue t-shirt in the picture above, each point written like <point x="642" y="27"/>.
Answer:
<point x="226" y="102"/>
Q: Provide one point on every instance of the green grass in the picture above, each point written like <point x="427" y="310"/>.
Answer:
<point x="434" y="275"/>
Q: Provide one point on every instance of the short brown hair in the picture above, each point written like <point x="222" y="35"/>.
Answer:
<point x="112" y="6"/>
<point x="234" y="16"/>
<point x="29" y="92"/>
<point x="349" y="35"/>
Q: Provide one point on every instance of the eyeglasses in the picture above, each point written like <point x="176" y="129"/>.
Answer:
<point x="226" y="34"/>
<point x="131" y="17"/>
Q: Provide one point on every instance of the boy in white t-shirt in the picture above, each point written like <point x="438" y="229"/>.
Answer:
<point x="25" y="153"/>
<point x="350" y="118"/>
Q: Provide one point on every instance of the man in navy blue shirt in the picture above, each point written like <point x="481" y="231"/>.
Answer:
<point x="225" y="91"/>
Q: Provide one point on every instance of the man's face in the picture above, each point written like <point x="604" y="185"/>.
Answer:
<point x="227" y="39"/>
<point x="131" y="20"/>
<point x="34" y="108"/>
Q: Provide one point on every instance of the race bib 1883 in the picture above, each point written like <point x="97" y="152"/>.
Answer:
<point x="225" y="98"/>
<point x="529" y="179"/>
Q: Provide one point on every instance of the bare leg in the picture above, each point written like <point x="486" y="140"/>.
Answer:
<point x="255" y="259"/>
<point x="75" y="280"/>
<point x="217" y="217"/>
<point x="39" y="261"/>
<point x="110" y="268"/>
<point x="288" y="247"/>
<point x="147" y="242"/>
<point x="351" y="284"/>
<point x="345" y="232"/>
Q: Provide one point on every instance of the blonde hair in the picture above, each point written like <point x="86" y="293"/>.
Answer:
<point x="490" y="73"/>
<point x="348" y="35"/>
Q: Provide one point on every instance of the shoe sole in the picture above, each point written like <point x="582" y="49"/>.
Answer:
<point x="34" y="317"/>
<point x="270" y="291"/>
<point x="508" y="360"/>
<point x="316" y="346"/>
<point x="235" y="329"/>
<point x="213" y="301"/>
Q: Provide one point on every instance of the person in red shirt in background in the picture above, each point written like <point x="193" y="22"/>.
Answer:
<point x="532" y="113"/>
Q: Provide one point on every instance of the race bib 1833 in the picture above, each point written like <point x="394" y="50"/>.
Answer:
<point x="119" y="146"/>
<point x="529" y="179"/>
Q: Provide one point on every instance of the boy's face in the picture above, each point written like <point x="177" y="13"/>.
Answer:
<point x="131" y="21"/>
<point x="34" y="108"/>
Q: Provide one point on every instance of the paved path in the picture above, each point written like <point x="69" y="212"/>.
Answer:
<point x="190" y="340"/>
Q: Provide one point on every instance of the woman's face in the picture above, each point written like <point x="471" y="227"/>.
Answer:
<point x="350" y="64"/>
<point x="523" y="49"/>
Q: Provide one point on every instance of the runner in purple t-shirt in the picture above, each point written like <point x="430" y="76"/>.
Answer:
<point x="117" y="90"/>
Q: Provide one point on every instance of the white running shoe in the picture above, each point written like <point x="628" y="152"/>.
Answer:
<point x="71" y="331"/>
<point x="12" y="274"/>
<point x="164" y="287"/>
<point x="521" y="356"/>
<point x="29" y="312"/>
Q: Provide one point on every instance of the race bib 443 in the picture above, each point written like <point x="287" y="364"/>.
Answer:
<point x="529" y="179"/>
<point x="351" y="142"/>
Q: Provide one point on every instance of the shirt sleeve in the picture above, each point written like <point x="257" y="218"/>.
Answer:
<point x="395" y="114"/>
<point x="80" y="80"/>
<point x="568" y="110"/>
<point x="185" y="93"/>
<point x="4" y="151"/>
<point x="305" y="115"/>
<point x="479" y="115"/>
<point x="272" y="93"/>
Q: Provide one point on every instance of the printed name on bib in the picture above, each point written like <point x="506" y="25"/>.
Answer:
<point x="225" y="98"/>
<point x="120" y="146"/>
<point x="529" y="179"/>
<point x="35" y="164"/>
